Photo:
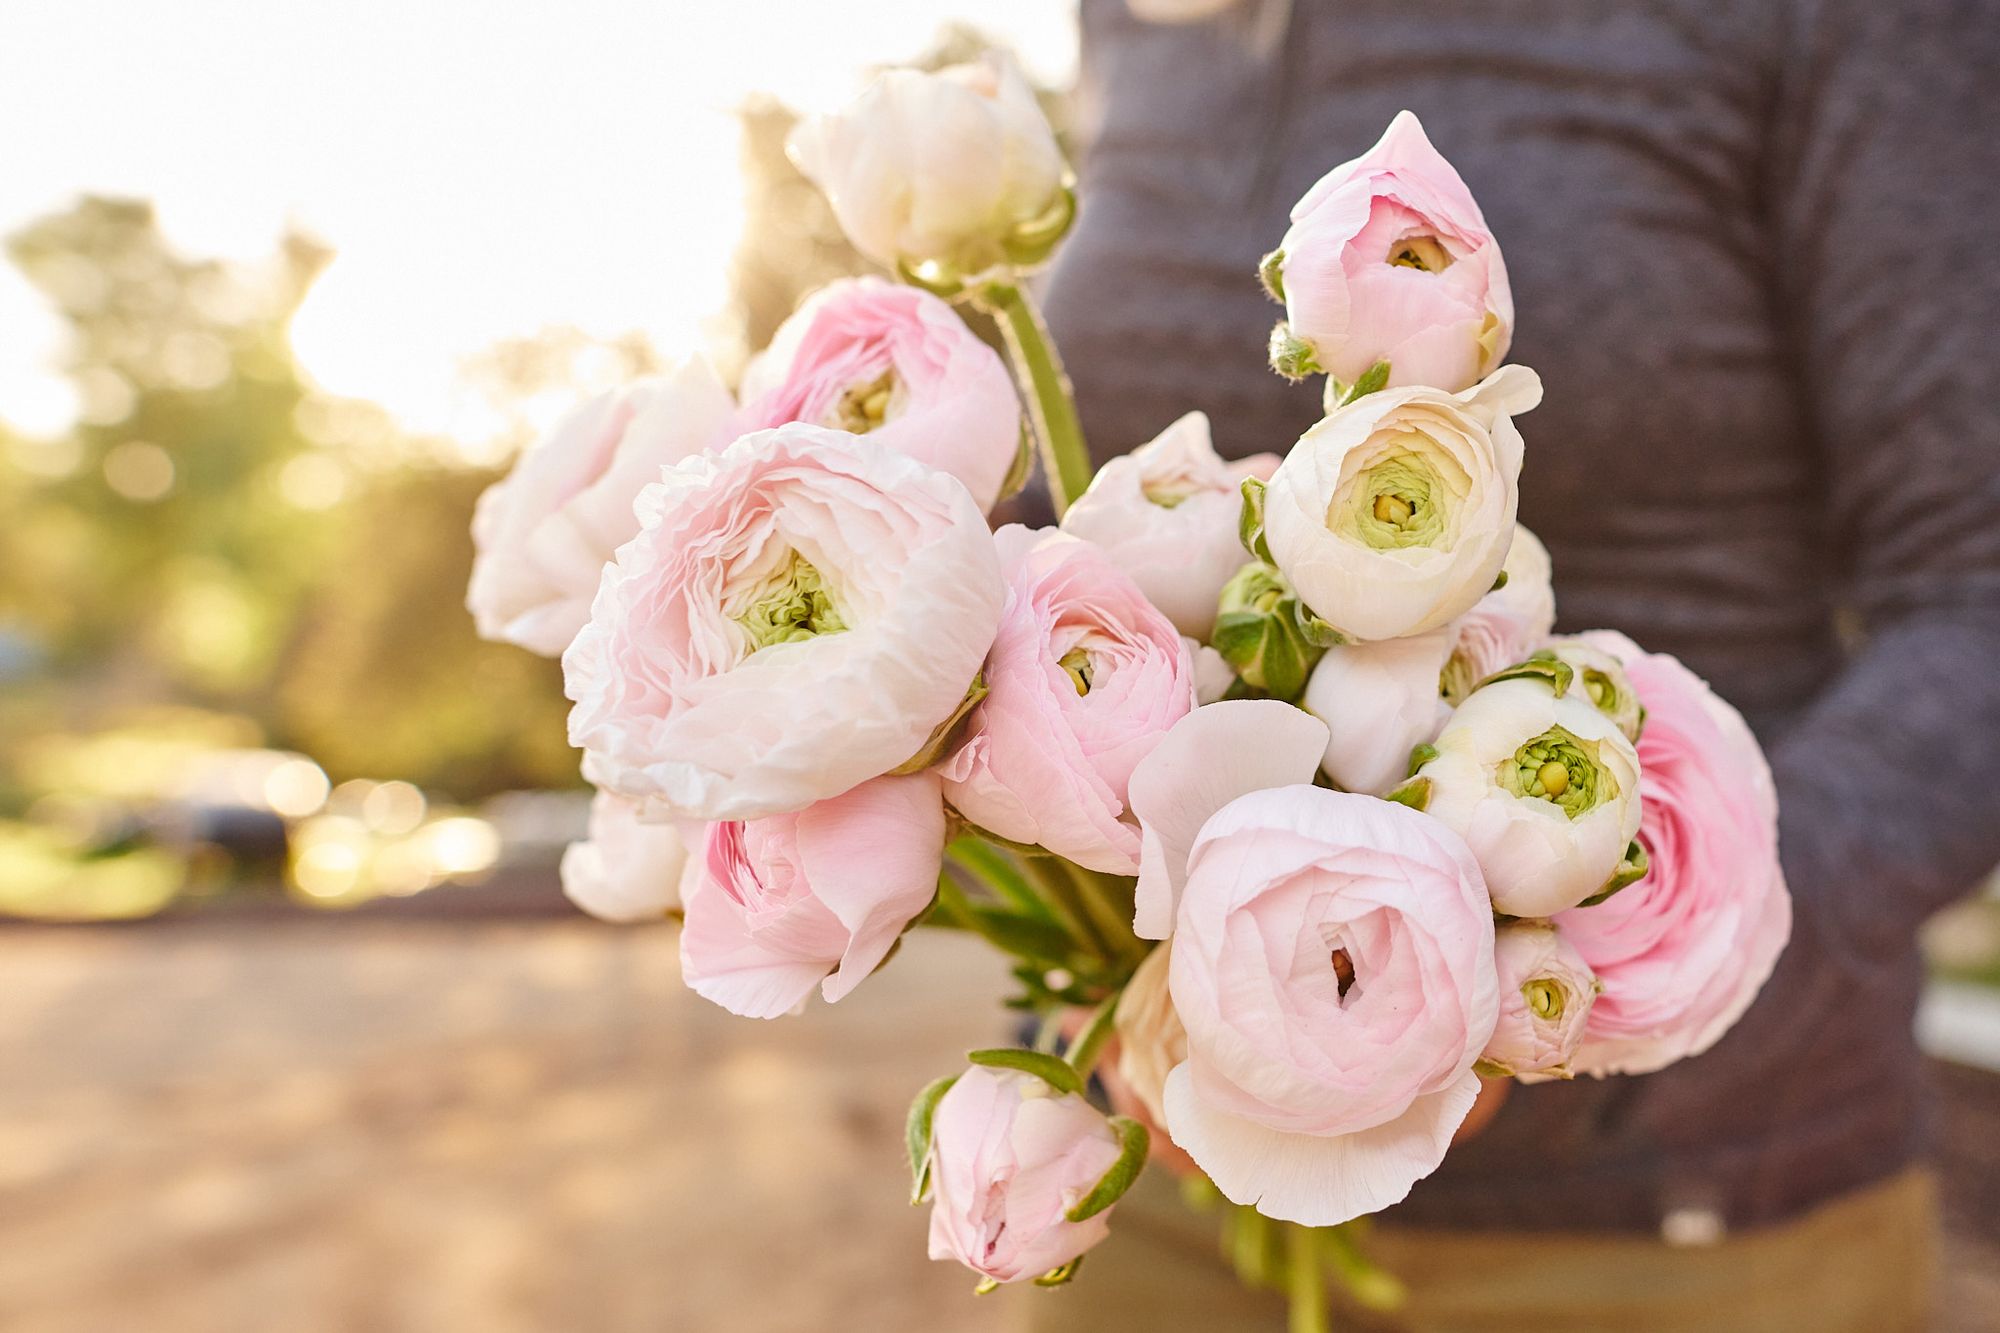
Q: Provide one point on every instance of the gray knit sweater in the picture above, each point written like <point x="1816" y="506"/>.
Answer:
<point x="1755" y="251"/>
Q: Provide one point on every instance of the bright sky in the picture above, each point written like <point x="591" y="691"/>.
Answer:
<point x="483" y="168"/>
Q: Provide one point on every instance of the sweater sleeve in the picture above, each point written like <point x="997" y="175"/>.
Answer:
<point x="1885" y="192"/>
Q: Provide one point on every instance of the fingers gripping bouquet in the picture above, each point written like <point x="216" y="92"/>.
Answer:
<point x="1269" y="772"/>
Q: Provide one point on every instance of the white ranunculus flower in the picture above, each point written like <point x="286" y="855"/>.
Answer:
<point x="626" y="870"/>
<point x="544" y="533"/>
<point x="1394" y="514"/>
<point x="957" y="167"/>
<point x="1546" y="990"/>
<point x="1506" y="624"/>
<point x="1543" y="788"/>
<point x="1600" y="677"/>
<point x="796" y="615"/>
<point x="1379" y="701"/>
<point x="1166" y="514"/>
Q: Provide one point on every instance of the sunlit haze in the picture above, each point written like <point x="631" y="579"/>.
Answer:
<point x="482" y="171"/>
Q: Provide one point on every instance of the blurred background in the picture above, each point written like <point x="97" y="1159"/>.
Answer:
<point x="297" y="1018"/>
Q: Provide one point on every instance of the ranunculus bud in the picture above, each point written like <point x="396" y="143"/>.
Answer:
<point x="1010" y="1158"/>
<point x="544" y="533"/>
<point x="1542" y="787"/>
<point x="627" y="870"/>
<point x="956" y="169"/>
<point x="1546" y="991"/>
<point x="1084" y="678"/>
<point x="1395" y="514"/>
<point x="1506" y="624"/>
<point x="1683" y="951"/>
<point x="1388" y="259"/>
<point x="898" y="365"/>
<point x="1151" y="1040"/>
<point x="779" y="905"/>
<point x="1166" y="514"/>
<point x="797" y="614"/>
<point x="1265" y="634"/>
<point x="1600" y="677"/>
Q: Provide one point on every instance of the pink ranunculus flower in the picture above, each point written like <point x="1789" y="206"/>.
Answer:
<point x="1388" y="259"/>
<point x="779" y="905"/>
<point x="1009" y="1157"/>
<point x="626" y="870"/>
<point x="1547" y="991"/>
<point x="796" y="615"/>
<point x="1682" y="952"/>
<point x="544" y="533"/>
<point x="1084" y="678"/>
<point x="1166" y="514"/>
<point x="1332" y="966"/>
<point x="898" y="365"/>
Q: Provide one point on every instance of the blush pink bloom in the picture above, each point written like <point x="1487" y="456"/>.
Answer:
<point x="1085" y="676"/>
<point x="1546" y="995"/>
<point x="1166" y="514"/>
<point x="1332" y="966"/>
<point x="1388" y="258"/>
<point x="796" y="615"/>
<point x="1009" y="1157"/>
<point x="898" y="365"/>
<point x="777" y="906"/>
<point x="1682" y="952"/>
<point x="626" y="870"/>
<point x="543" y="534"/>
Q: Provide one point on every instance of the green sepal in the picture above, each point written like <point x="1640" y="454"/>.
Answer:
<point x="1032" y="241"/>
<point x="1133" y="1144"/>
<point x="1023" y="936"/>
<point x="1372" y="380"/>
<point x="945" y="732"/>
<point x="1552" y="672"/>
<point x="1271" y="272"/>
<point x="987" y="1286"/>
<point x="917" y="1134"/>
<point x="1023" y="466"/>
<point x="1259" y="650"/>
<point x="1489" y="1069"/>
<point x="939" y="279"/>
<point x="1313" y="630"/>
<point x="1630" y="871"/>
<point x="1499" y="581"/>
<point x="1291" y="357"/>
<point x="1421" y="755"/>
<point x="1061" y="1274"/>
<point x="1416" y="793"/>
<point x="1250" y="521"/>
<point x="1050" y="1069"/>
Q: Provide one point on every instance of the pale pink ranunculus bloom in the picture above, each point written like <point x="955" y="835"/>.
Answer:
<point x="898" y="365"/>
<point x="796" y="615"/>
<point x="1084" y="678"/>
<point x="1332" y="966"/>
<point x="1547" y="991"/>
<point x="940" y="166"/>
<point x="1009" y="1157"/>
<point x="626" y="870"/>
<point x="779" y="905"/>
<point x="1395" y="514"/>
<point x="543" y="534"/>
<point x="1166" y="514"/>
<point x="1683" y="952"/>
<point x="1388" y="258"/>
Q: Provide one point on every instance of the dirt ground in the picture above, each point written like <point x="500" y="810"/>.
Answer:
<point x="273" y="1123"/>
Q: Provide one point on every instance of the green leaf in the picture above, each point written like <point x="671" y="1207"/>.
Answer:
<point x="1416" y="793"/>
<point x="1050" y="1069"/>
<point x="1023" y="936"/>
<point x="995" y="870"/>
<point x="1133" y="1143"/>
<point x="1250" y="521"/>
<point x="1421" y="755"/>
<point x="917" y="1134"/>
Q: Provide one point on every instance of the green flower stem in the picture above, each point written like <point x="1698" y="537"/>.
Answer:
<point x="1096" y="1034"/>
<point x="1065" y="460"/>
<point x="1304" y="1282"/>
<point x="1068" y="899"/>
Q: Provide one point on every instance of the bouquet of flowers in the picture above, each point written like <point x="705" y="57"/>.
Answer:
<point x="1269" y="776"/>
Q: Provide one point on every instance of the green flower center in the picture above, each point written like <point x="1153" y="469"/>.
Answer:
<point x="1455" y="679"/>
<point x="1420" y="252"/>
<point x="795" y="606"/>
<point x="1076" y="662"/>
<point x="1562" y="769"/>
<point x="1601" y="690"/>
<point x="1394" y="504"/>
<point x="864" y="407"/>
<point x="1545" y="998"/>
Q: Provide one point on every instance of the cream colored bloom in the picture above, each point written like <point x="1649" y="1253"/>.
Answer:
<point x="956" y="168"/>
<point x="1543" y="788"/>
<point x="1394" y="515"/>
<point x="1151" y="1040"/>
<point x="1600" y="677"/>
